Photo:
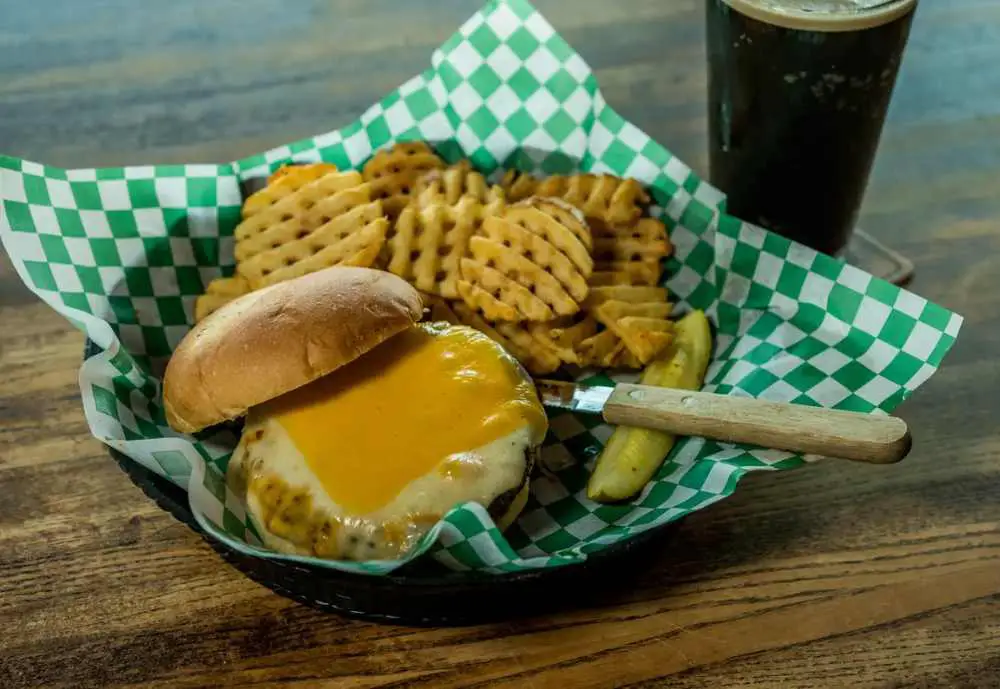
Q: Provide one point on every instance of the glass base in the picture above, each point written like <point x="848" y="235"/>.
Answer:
<point x="867" y="253"/>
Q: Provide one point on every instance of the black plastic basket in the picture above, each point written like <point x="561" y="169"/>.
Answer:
<point x="411" y="596"/>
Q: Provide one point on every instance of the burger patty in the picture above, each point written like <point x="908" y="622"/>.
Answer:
<point x="502" y="503"/>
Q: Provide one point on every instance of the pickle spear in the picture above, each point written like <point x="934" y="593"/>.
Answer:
<point x="633" y="455"/>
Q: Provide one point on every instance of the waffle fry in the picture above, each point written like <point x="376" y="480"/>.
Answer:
<point x="533" y="354"/>
<point x="645" y="241"/>
<point x="625" y="273"/>
<point x="429" y="241"/>
<point x="600" y="350"/>
<point x="455" y="181"/>
<point x="611" y="310"/>
<point x="234" y="286"/>
<point x="563" y="261"/>
<point x="635" y="322"/>
<point x="498" y="297"/>
<point x="510" y="276"/>
<point x="219" y="292"/>
<point x="562" y="270"/>
<point x="328" y="221"/>
<point x="306" y="171"/>
<point x="630" y="256"/>
<point x="646" y="338"/>
<point x="539" y="359"/>
<point x="604" y="198"/>
<point x="648" y="230"/>
<point x="287" y="197"/>
<point x="558" y="212"/>
<point x="559" y="254"/>
<point x="606" y="350"/>
<point x="353" y="239"/>
<point x="510" y="262"/>
<point x="626" y="359"/>
<point x="284" y="181"/>
<point x="298" y="216"/>
<point x="518" y="185"/>
<point x="564" y="336"/>
<point x="393" y="173"/>
<point x="632" y="294"/>
<point x="643" y="328"/>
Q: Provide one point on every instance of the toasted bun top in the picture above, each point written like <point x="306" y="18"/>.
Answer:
<point x="279" y="338"/>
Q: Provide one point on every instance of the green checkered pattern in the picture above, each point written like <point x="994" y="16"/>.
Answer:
<point x="123" y="253"/>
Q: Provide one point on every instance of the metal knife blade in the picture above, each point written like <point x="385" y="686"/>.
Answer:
<point x="588" y="399"/>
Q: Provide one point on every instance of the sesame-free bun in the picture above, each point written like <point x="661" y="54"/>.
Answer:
<point x="276" y="339"/>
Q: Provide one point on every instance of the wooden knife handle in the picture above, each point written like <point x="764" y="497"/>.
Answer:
<point x="860" y="437"/>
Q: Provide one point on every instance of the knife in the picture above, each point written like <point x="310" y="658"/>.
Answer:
<point x="871" y="438"/>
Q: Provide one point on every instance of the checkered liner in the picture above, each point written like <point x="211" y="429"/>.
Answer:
<point x="122" y="253"/>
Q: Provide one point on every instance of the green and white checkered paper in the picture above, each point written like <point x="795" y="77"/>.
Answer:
<point x="123" y="253"/>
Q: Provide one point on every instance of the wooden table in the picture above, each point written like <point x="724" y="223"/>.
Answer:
<point x="833" y="575"/>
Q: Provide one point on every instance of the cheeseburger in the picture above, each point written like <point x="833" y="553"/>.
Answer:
<point x="362" y="426"/>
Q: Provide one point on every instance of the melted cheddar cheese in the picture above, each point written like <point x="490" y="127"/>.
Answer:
<point x="423" y="402"/>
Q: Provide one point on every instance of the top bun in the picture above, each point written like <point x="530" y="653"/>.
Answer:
<point x="276" y="339"/>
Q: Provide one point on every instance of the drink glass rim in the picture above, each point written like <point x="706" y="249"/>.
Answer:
<point x="810" y="20"/>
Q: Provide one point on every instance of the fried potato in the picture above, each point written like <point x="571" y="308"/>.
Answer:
<point x="298" y="216"/>
<point x="646" y="241"/>
<point x="393" y="173"/>
<point x="627" y="248"/>
<point x="553" y="212"/>
<point x="234" y="286"/>
<point x="536" y="280"/>
<point x="632" y="294"/>
<point x="600" y="350"/>
<point x="625" y="273"/>
<point x="329" y="221"/>
<point x="305" y="171"/>
<point x="630" y="255"/>
<point x="605" y="198"/>
<point x="430" y="239"/>
<point x="526" y="264"/>
<point x="563" y="336"/>
<point x="352" y="239"/>
<point x="626" y="360"/>
<point x="539" y="360"/>
<point x="645" y="338"/>
<point x="455" y="181"/>
<point x="218" y="293"/>
<point x="642" y="328"/>
<point x="647" y="230"/>
<point x="571" y="241"/>
<point x="284" y="181"/>
<point x="553" y="257"/>
<point x="497" y="296"/>
<point x="533" y="354"/>
<point x="561" y="270"/>
<point x="518" y="185"/>
<point x="613" y="310"/>
<point x="517" y="267"/>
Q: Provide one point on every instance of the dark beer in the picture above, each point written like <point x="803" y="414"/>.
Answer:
<point x="798" y="91"/>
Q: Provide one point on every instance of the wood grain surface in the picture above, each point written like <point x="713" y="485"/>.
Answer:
<point x="838" y="574"/>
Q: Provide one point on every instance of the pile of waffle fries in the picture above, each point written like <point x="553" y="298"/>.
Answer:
<point x="561" y="271"/>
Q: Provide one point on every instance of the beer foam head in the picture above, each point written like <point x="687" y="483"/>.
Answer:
<point x="823" y="15"/>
